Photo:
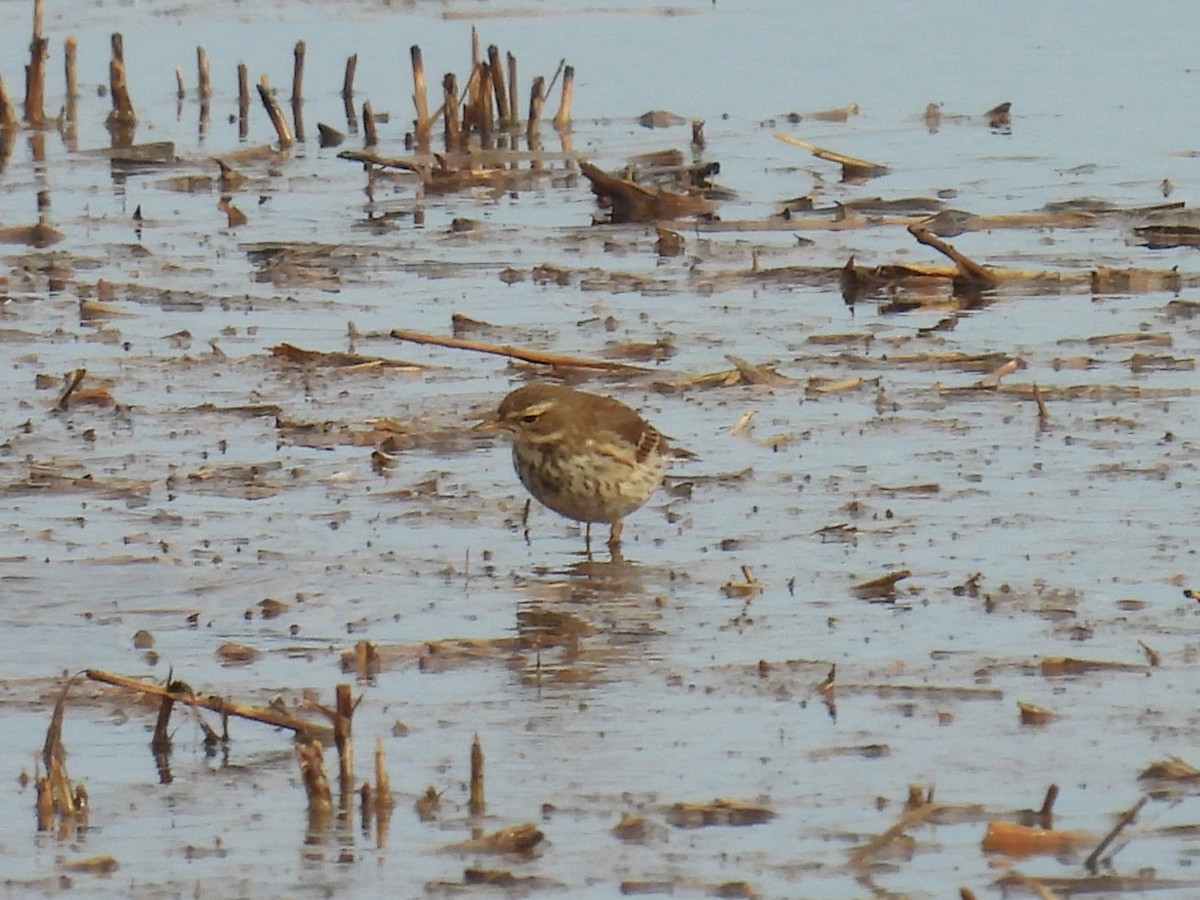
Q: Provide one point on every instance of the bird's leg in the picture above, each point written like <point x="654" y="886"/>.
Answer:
<point x="587" y="539"/>
<point x="614" y="536"/>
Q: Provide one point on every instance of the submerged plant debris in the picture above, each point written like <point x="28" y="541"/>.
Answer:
<point x="926" y="547"/>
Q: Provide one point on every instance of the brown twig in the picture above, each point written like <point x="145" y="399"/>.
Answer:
<point x="450" y="109"/>
<point x="348" y="78"/>
<point x="562" y="119"/>
<point x="1043" y="413"/>
<point x="8" y="115"/>
<point x="70" y="51"/>
<point x="370" y="136"/>
<point x="852" y="167"/>
<point x="274" y="112"/>
<point x="910" y="818"/>
<point x="203" y="76"/>
<point x="73" y="382"/>
<point x="514" y="100"/>
<point x="503" y="113"/>
<point x="298" y="71"/>
<point x="541" y="357"/>
<point x="122" y="115"/>
<point x="266" y="715"/>
<point x="476" y="805"/>
<point x="342" y="734"/>
<point x="537" y="99"/>
<point x="420" y="100"/>
<point x="970" y="270"/>
<point x="1126" y="817"/>
<point x="35" y="72"/>
<point x="243" y="75"/>
<point x="311" y="756"/>
<point x="483" y="101"/>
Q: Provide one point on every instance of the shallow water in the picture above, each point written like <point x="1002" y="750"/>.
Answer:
<point x="664" y="702"/>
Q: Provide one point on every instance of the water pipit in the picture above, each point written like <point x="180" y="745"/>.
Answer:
<point x="587" y="457"/>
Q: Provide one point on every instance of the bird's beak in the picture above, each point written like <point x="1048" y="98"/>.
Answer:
<point x="487" y="426"/>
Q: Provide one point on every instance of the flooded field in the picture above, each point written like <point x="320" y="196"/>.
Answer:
<point x="929" y="552"/>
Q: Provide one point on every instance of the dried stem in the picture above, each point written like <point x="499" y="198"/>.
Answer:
<point x="562" y="119"/>
<point x="8" y="115"/>
<point x="420" y="101"/>
<point x="450" y="109"/>
<point x="266" y="715"/>
<point x="122" y="115"/>
<point x="969" y="269"/>
<point x="243" y="100"/>
<point x="537" y="99"/>
<point x="298" y="71"/>
<point x="348" y="78"/>
<point x="370" y="137"/>
<point x="35" y="79"/>
<point x="476" y="805"/>
<point x="514" y="99"/>
<point x="70" y="51"/>
<point x="496" y="70"/>
<point x="274" y="112"/>
<point x="74" y="379"/>
<point x="311" y="756"/>
<point x="1126" y="817"/>
<point x="542" y="357"/>
<point x="204" y="77"/>
<point x="342" y="736"/>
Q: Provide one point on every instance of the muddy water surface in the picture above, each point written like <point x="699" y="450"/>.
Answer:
<point x="217" y="475"/>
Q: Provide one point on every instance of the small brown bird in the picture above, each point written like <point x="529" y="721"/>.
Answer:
<point x="587" y="457"/>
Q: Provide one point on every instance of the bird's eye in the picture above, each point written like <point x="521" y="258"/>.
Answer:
<point x="529" y="418"/>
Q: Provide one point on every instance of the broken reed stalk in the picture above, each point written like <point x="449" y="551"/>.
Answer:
<point x="971" y="271"/>
<point x="514" y="99"/>
<point x="420" y="100"/>
<point x="225" y="708"/>
<point x="274" y="113"/>
<point x="122" y="115"/>
<point x="54" y="794"/>
<point x="311" y="756"/>
<point x="160" y="743"/>
<point x="476" y="805"/>
<point x="1126" y="817"/>
<point x="370" y="137"/>
<point x="384" y="801"/>
<point x="180" y="93"/>
<point x="450" y="109"/>
<point x="496" y="70"/>
<point x="562" y="119"/>
<point x="118" y="46"/>
<point x="348" y="77"/>
<point x="203" y="75"/>
<point x="483" y="101"/>
<point x="35" y="81"/>
<point x="348" y="93"/>
<point x="537" y="99"/>
<point x="1046" y="813"/>
<point x="343" y="736"/>
<point x="298" y="71"/>
<point x="1043" y="413"/>
<point x="8" y="115"/>
<point x="542" y="357"/>
<point x="243" y="74"/>
<point x="74" y="379"/>
<point x="912" y="816"/>
<point x="70" y="68"/>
